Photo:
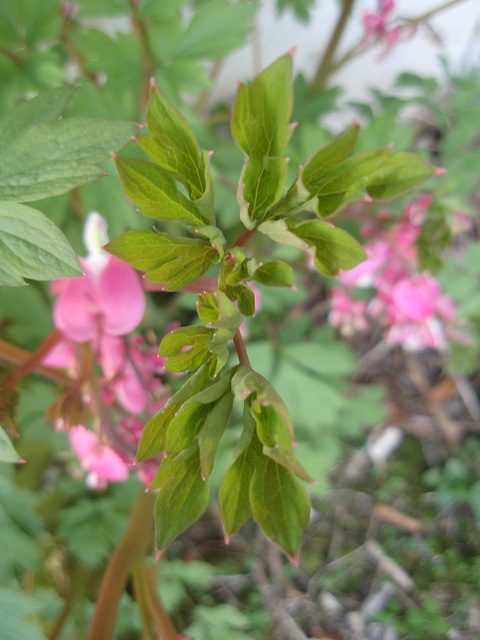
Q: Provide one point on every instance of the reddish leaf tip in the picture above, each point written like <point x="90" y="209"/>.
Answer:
<point x="390" y="146"/>
<point x="293" y="51"/>
<point x="227" y="539"/>
<point x="367" y="197"/>
<point x="210" y="153"/>
<point x="293" y="559"/>
<point x="153" y="83"/>
<point x="440" y="171"/>
<point x="158" y="554"/>
<point x="356" y="123"/>
<point x="114" y="155"/>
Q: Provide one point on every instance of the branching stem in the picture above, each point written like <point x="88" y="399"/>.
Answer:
<point x="31" y="362"/>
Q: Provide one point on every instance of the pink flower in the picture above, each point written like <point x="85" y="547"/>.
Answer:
<point x="414" y="298"/>
<point x="348" y="315"/>
<point x="102" y="462"/>
<point x="365" y="273"/>
<point x="108" y="299"/>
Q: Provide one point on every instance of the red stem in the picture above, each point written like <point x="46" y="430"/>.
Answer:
<point x="241" y="349"/>
<point x="33" y="361"/>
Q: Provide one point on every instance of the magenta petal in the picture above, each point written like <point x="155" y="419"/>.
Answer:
<point x="112" y="354"/>
<point x="108" y="464"/>
<point x="130" y="392"/>
<point x="74" y="311"/>
<point x="62" y="355"/>
<point x="120" y="297"/>
<point x="83" y="441"/>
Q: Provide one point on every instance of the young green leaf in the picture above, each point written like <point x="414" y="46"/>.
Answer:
<point x="182" y="499"/>
<point x="153" y="439"/>
<point x="212" y="430"/>
<point x="174" y="342"/>
<point x="324" y="161"/>
<point x="401" y="173"/>
<point x="184" y="427"/>
<point x="31" y="246"/>
<point x="280" y="504"/>
<point x="154" y="190"/>
<point x="261" y="112"/>
<point x="261" y="184"/>
<point x="54" y="157"/>
<point x="234" y="493"/>
<point x="154" y="433"/>
<point x="274" y="424"/>
<point x="172" y="144"/>
<point x="287" y="459"/>
<point x="171" y="260"/>
<point x="218" y="312"/>
<point x="275" y="274"/>
<point x="333" y="248"/>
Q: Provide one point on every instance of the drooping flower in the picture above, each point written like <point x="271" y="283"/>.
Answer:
<point x="108" y="299"/>
<point x="100" y="460"/>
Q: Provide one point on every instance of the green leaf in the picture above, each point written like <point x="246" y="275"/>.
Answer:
<point x="234" y="493"/>
<point x="184" y="427"/>
<point x="53" y="157"/>
<point x="329" y="157"/>
<point x="173" y="343"/>
<point x="155" y="192"/>
<point x="214" y="391"/>
<point x="195" y="383"/>
<point x="16" y="610"/>
<point x="218" y="312"/>
<point x="172" y="144"/>
<point x="7" y="450"/>
<point x="152" y="442"/>
<point x="275" y="274"/>
<point x="170" y="260"/>
<point x="153" y="439"/>
<point x="212" y="430"/>
<point x="217" y="27"/>
<point x="278" y="231"/>
<point x="401" y="173"/>
<point x="274" y="424"/>
<point x="31" y="246"/>
<point x="334" y="248"/>
<point x="47" y="106"/>
<point x="280" y="504"/>
<point x="261" y="185"/>
<point x="261" y="112"/>
<point x="215" y="236"/>
<point x="182" y="499"/>
<point x="287" y="459"/>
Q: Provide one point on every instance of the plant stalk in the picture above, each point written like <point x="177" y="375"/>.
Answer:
<point x="133" y="546"/>
<point x="326" y="62"/>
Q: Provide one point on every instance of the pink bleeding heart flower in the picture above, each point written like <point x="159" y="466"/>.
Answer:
<point x="100" y="460"/>
<point x="348" y="315"/>
<point x="108" y="299"/>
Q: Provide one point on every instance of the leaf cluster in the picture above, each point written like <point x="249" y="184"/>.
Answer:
<point x="176" y="184"/>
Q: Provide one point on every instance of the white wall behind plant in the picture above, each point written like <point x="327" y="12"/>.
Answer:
<point x="458" y="28"/>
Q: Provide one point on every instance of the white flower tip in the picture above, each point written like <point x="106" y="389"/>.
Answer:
<point x="95" y="233"/>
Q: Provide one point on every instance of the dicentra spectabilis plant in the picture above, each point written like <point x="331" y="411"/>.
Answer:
<point x="264" y="478"/>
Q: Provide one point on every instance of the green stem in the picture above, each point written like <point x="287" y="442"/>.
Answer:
<point x="140" y="593"/>
<point x="133" y="545"/>
<point x="325" y="65"/>
<point x="160" y="617"/>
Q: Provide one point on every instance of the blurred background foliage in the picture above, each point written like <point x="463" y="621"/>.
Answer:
<point x="56" y="535"/>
